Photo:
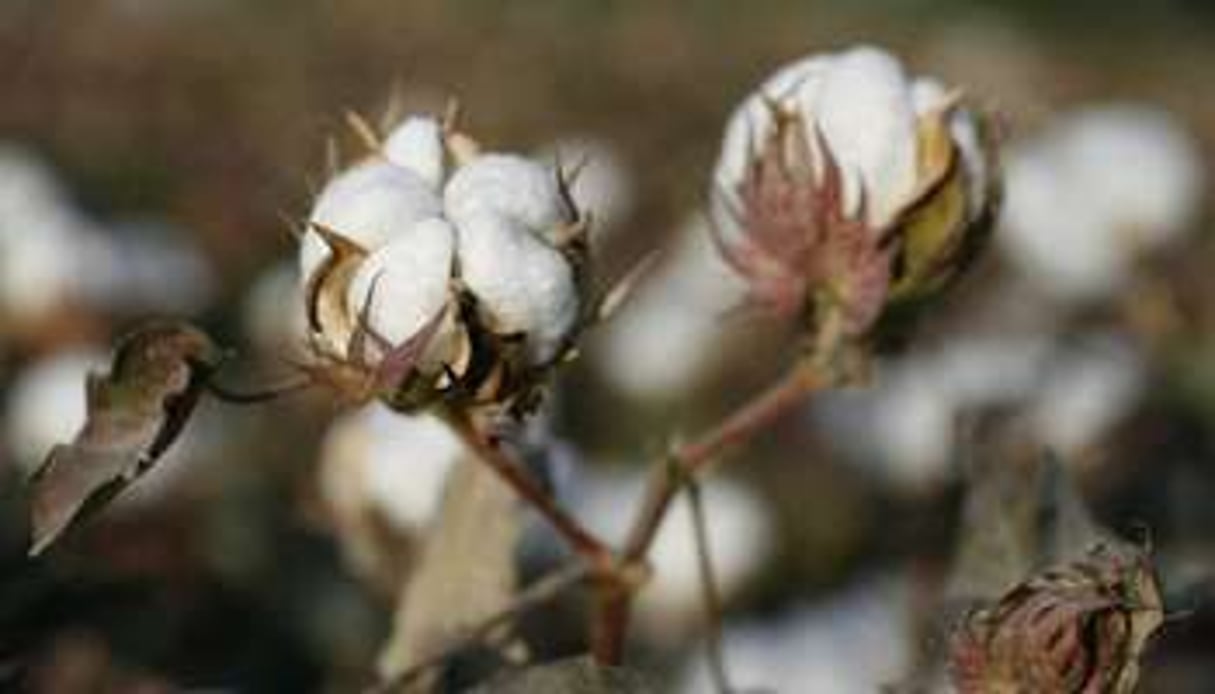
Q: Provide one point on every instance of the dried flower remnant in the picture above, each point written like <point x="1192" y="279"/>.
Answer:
<point x="844" y="186"/>
<point x="134" y="413"/>
<point x="435" y="272"/>
<point x="1077" y="627"/>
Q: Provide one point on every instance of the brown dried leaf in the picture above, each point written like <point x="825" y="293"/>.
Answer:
<point x="133" y="415"/>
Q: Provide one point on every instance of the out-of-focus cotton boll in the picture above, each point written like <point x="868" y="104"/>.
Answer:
<point x="601" y="181"/>
<point x="903" y="428"/>
<point x="141" y="267"/>
<point x="400" y="462"/>
<point x="668" y="335"/>
<point x="1089" y="387"/>
<point x="1094" y="189"/>
<point x="39" y="232"/>
<point x="739" y="530"/>
<point x="381" y="477"/>
<point x="272" y="313"/>
<point x="855" y="643"/>
<point x="46" y="404"/>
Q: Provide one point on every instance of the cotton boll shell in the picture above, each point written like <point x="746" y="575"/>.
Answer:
<point x="510" y="187"/>
<point x="410" y="277"/>
<point x="417" y="144"/>
<point x="523" y="285"/>
<point x="367" y="204"/>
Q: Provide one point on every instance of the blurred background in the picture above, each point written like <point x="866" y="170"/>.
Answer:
<point x="154" y="153"/>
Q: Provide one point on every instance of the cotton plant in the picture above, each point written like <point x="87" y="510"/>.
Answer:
<point x="1093" y="192"/>
<point x="601" y="181"/>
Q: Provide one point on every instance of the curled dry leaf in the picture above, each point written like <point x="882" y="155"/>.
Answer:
<point x="133" y="414"/>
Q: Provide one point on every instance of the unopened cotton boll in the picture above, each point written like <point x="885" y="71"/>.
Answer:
<point x="684" y="302"/>
<point x="845" y="185"/>
<point x="1094" y="189"/>
<point x="855" y="643"/>
<point x="739" y="531"/>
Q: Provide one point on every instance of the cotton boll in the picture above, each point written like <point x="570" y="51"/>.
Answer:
<point x="510" y="187"/>
<point x="1092" y="191"/>
<point x="601" y="182"/>
<point x="739" y="530"/>
<point x="683" y="303"/>
<point x="368" y="204"/>
<point x="46" y="404"/>
<point x="1088" y="389"/>
<point x="523" y="285"/>
<point x="854" y="644"/>
<point x="141" y="267"/>
<point x="405" y="284"/>
<point x="417" y="144"/>
<point x="394" y="464"/>
<point x="866" y="117"/>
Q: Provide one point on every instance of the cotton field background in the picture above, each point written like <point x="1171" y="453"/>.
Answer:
<point x="159" y="157"/>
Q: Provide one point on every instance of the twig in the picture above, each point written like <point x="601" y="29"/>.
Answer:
<point x="687" y="462"/>
<point x="708" y="585"/>
<point x="537" y="594"/>
<point x="580" y="539"/>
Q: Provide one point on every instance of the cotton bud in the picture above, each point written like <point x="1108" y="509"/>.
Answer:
<point x="845" y="186"/>
<point x="435" y="272"/>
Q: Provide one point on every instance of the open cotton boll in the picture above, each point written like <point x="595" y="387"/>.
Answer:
<point x="417" y="144"/>
<point x="522" y="284"/>
<point x="1088" y="388"/>
<point x="1094" y="189"/>
<point x="367" y="204"/>
<point x="739" y="530"/>
<point x="404" y="284"/>
<point x="46" y="404"/>
<point x="684" y="303"/>
<point x="856" y="643"/>
<point x="601" y="183"/>
<point x="512" y="188"/>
